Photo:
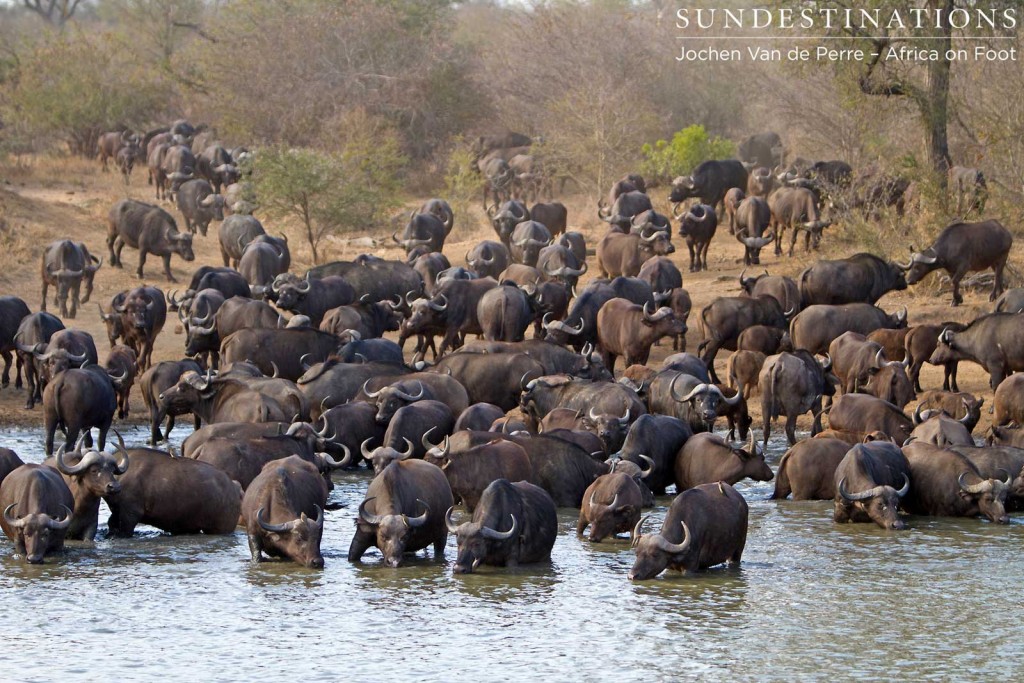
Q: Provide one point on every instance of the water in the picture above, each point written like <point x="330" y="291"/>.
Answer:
<point x="812" y="600"/>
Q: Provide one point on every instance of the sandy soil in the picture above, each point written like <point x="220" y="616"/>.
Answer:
<point x="51" y="199"/>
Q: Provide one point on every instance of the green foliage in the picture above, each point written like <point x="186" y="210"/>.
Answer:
<point x="342" y="191"/>
<point x="666" y="160"/>
<point x="76" y="86"/>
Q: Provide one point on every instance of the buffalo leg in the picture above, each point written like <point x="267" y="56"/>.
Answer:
<point x="42" y="305"/>
<point x="581" y="526"/>
<point x="791" y="429"/>
<point x="119" y="247"/>
<point x="955" y="365"/>
<point x="957" y="277"/>
<point x="7" y="368"/>
<point x="816" y="408"/>
<point x="360" y="543"/>
<point x="167" y="268"/>
<point x="997" y="270"/>
<point x="255" y="549"/>
<point x="694" y="258"/>
<point x="439" y="547"/>
<point x="19" y="364"/>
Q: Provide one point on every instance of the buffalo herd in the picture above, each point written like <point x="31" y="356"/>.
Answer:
<point x="289" y="377"/>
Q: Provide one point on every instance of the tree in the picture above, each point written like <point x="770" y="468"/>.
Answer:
<point x="331" y="192"/>
<point x="665" y="160"/>
<point x="55" y="12"/>
<point x="76" y="86"/>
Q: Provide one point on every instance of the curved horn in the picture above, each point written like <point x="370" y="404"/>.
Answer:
<point x="421" y="519"/>
<point x="12" y="521"/>
<point x="494" y="535"/>
<point x="967" y="412"/>
<point x="693" y="392"/>
<point x="61" y="524"/>
<point x="408" y="449"/>
<point x="274" y="528"/>
<point x="367" y="453"/>
<point x="371" y="394"/>
<point x="650" y="469"/>
<point x="439" y="307"/>
<point x="366" y="516"/>
<point x="863" y="495"/>
<point x="409" y="397"/>
<point x="905" y="489"/>
<point x="917" y="419"/>
<point x="674" y="548"/>
<point x="983" y="486"/>
<point x="328" y="462"/>
<point x="452" y="526"/>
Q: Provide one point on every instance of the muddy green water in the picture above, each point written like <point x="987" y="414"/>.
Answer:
<point x="812" y="601"/>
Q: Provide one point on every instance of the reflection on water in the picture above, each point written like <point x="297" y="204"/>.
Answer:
<point x="811" y="600"/>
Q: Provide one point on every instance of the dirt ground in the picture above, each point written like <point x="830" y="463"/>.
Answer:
<point x="48" y="199"/>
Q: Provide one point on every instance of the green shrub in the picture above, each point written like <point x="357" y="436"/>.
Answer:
<point x="665" y="160"/>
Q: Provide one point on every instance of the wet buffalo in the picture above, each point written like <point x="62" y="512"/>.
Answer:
<point x="871" y="480"/>
<point x="707" y="457"/>
<point x="944" y="483"/>
<point x="36" y="507"/>
<point x="283" y="510"/>
<point x="611" y="505"/>
<point x="807" y="470"/>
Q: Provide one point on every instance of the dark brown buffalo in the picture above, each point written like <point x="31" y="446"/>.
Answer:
<point x="962" y="248"/>
<point x="659" y="438"/>
<point x="861" y="366"/>
<point x="542" y="395"/>
<point x="407" y="500"/>
<point x="626" y="206"/>
<point x="504" y="312"/>
<point x="944" y="483"/>
<point x="761" y="182"/>
<point x="938" y="428"/>
<point x="815" y="327"/>
<point x="624" y="254"/>
<point x="994" y="462"/>
<point x="961" y="406"/>
<point x="705" y="526"/>
<point x="143" y="313"/>
<point x="782" y="288"/>
<point x="1005" y="436"/>
<point x="861" y="278"/>
<point x="865" y="414"/>
<point x="628" y="330"/>
<point x="423" y="230"/>
<point x="65" y="265"/>
<point x="1009" y="401"/>
<point x="793" y="384"/>
<point x="9" y="461"/>
<point x="412" y="423"/>
<point x="921" y="346"/>
<point x="707" y="457"/>
<point x="283" y="510"/>
<point x="1011" y="301"/>
<point x="149" y="229"/>
<point x="199" y="204"/>
<point x="797" y="209"/>
<point x="709" y="182"/>
<point x="232" y="400"/>
<point x="234" y="234"/>
<point x="333" y="383"/>
<point x="807" y="470"/>
<point x="487" y="258"/>
<point x="579" y="327"/>
<point x="751" y="220"/>
<point x="12" y="311"/>
<point x="176" y="495"/>
<point x="91" y="476"/>
<point x="870" y="482"/>
<point x="611" y="505"/>
<point x="731" y="204"/>
<point x="31" y="339"/>
<point x="77" y="400"/>
<point x="893" y="341"/>
<point x="560" y="467"/>
<point x="553" y="216"/>
<point x="697" y="225"/>
<point x="121" y="366"/>
<point x="242" y="459"/>
<point x="478" y="417"/>
<point x="764" y="339"/>
<point x="555" y="358"/>
<point x="313" y="298"/>
<point x="36" y="507"/>
<point x="212" y="325"/>
<point x="992" y="341"/>
<point x="471" y="467"/>
<point x="284" y="352"/>
<point x="497" y="379"/>
<point x="391" y="393"/>
<point x="725" y="318"/>
<point x="153" y="382"/>
<point x="532" y="521"/>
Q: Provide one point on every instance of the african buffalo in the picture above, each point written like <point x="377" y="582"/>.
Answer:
<point x="149" y="229"/>
<point x="807" y="470"/>
<point x="36" y="507"/>
<point x="871" y="480"/>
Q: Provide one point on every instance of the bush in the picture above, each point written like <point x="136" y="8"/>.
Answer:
<point x="346" y="190"/>
<point x="77" y="86"/>
<point x="666" y="160"/>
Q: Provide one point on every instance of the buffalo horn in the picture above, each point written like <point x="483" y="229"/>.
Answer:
<point x="366" y="516"/>
<point x="674" y="548"/>
<point x="370" y="394"/>
<point x="274" y="528"/>
<point x="421" y="519"/>
<point x="495" y="535"/>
